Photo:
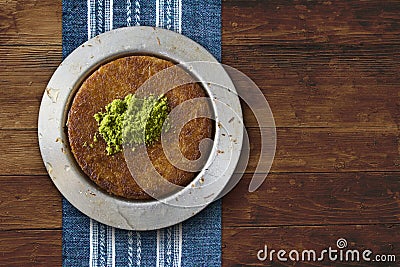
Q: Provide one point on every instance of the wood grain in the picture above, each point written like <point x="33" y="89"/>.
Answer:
<point x="305" y="88"/>
<point x="30" y="248"/>
<point x="240" y="245"/>
<point x="315" y="199"/>
<point x="314" y="87"/>
<point x="330" y="150"/>
<point x="329" y="70"/>
<point x="42" y="248"/>
<point x="284" y="199"/>
<point x="257" y="22"/>
<point x="30" y="22"/>
<point x="20" y="154"/>
<point x="310" y="22"/>
<point x="29" y="202"/>
<point x="298" y="150"/>
<point x="25" y="73"/>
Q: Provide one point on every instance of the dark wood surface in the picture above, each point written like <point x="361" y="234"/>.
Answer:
<point x="330" y="72"/>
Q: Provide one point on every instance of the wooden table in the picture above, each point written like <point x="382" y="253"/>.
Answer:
<point x="330" y="71"/>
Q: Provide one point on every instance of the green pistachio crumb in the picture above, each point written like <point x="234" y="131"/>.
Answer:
<point x="132" y="121"/>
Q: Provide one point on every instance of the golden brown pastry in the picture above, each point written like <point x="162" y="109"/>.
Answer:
<point x="114" y="80"/>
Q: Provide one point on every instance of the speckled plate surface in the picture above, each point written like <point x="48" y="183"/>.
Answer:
<point x="78" y="189"/>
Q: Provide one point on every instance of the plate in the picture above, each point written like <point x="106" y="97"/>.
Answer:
<point x="86" y="196"/>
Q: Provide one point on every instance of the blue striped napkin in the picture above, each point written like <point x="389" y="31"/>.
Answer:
<point x="195" y="242"/>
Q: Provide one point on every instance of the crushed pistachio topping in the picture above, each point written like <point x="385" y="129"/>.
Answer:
<point x="95" y="139"/>
<point x="132" y="121"/>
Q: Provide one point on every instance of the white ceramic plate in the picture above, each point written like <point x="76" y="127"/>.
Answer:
<point x="80" y="191"/>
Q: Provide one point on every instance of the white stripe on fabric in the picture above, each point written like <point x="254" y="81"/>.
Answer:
<point x="176" y="15"/>
<point x="180" y="21"/>
<point x="100" y="16"/>
<point x="130" y="249"/>
<point x="91" y="23"/>
<point x="169" y="246"/>
<point x="102" y="245"/>
<point x="137" y="13"/>
<point x="161" y="14"/>
<point x="91" y="243"/>
<point x="113" y="246"/>
<point x="160" y="248"/>
<point x="94" y="243"/>
<point x="157" y="13"/>
<point x="177" y="252"/>
<point x="88" y="24"/>
<point x="128" y="12"/>
<point x="93" y="19"/>
<point x="111" y="14"/>
<point x="107" y="15"/>
<point x="169" y="14"/>
<point x="109" y="246"/>
<point x="138" y="249"/>
<point x="180" y="246"/>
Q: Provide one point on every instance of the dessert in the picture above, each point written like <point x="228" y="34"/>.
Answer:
<point x="117" y="80"/>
